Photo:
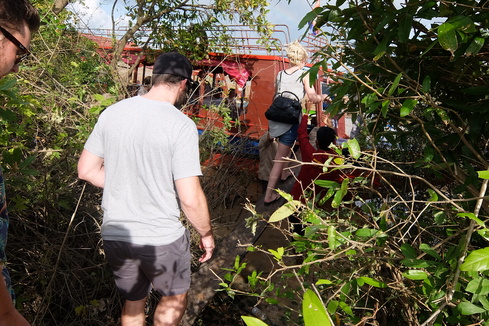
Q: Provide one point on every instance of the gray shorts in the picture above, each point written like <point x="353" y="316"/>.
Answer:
<point x="138" y="268"/>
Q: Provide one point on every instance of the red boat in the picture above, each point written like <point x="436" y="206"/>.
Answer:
<point x="241" y="81"/>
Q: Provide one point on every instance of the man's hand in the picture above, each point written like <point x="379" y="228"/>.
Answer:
<point x="207" y="244"/>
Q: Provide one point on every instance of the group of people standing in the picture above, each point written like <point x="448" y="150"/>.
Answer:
<point x="144" y="153"/>
<point x="285" y="135"/>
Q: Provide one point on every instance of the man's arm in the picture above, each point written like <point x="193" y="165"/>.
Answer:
<point x="194" y="205"/>
<point x="91" y="169"/>
<point x="9" y="316"/>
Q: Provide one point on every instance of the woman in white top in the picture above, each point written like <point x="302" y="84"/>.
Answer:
<point x="289" y="80"/>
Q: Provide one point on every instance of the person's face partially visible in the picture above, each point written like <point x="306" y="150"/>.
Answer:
<point x="182" y="97"/>
<point x="10" y="52"/>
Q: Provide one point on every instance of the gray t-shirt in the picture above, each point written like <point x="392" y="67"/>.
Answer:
<point x="146" y="145"/>
<point x="291" y="83"/>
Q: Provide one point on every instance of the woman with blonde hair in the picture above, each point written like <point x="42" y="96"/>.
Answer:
<point x="291" y="80"/>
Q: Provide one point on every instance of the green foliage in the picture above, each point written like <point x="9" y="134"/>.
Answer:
<point x="420" y="83"/>
<point x="252" y="321"/>
<point x="313" y="311"/>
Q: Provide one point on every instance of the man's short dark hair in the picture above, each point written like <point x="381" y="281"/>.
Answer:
<point x="14" y="13"/>
<point x="325" y="136"/>
<point x="159" y="79"/>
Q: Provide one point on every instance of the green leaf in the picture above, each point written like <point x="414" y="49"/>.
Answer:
<point x="428" y="154"/>
<point x="477" y="261"/>
<point x="333" y="306"/>
<point x="475" y="46"/>
<point x="313" y="311"/>
<point x="463" y="24"/>
<point x="408" y="251"/>
<point x="443" y="115"/>
<point x="327" y="184"/>
<point x="483" y="174"/>
<point x="385" y="107"/>
<point x="439" y="217"/>
<point x="323" y="282"/>
<point x="7" y="83"/>
<point x="284" y="211"/>
<point x="484" y="233"/>
<point x="430" y="251"/>
<point x="346" y="308"/>
<point x="395" y="84"/>
<point x="366" y="232"/>
<point x="405" y="27"/>
<point x="467" y="308"/>
<point x="271" y="300"/>
<point x="332" y="243"/>
<point x="478" y="286"/>
<point x="416" y="263"/>
<point x="408" y="106"/>
<point x="310" y="16"/>
<point x="252" y="321"/>
<point x="354" y="148"/>
<point x="415" y="274"/>
<point x="426" y="84"/>
<point x="447" y="36"/>
<point x="433" y="195"/>
<point x="372" y="282"/>
<point x="338" y="196"/>
<point x="472" y="217"/>
<point x="484" y="301"/>
<point x="278" y="254"/>
<point x="99" y="97"/>
<point x="328" y="195"/>
<point x="381" y="48"/>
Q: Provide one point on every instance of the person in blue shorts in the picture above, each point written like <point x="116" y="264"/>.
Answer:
<point x="290" y="80"/>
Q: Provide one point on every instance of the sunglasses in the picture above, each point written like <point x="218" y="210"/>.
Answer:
<point x="11" y="38"/>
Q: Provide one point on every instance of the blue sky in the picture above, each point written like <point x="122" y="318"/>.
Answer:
<point x="96" y="13"/>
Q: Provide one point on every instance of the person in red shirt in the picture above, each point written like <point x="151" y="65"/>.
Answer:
<point x="310" y="172"/>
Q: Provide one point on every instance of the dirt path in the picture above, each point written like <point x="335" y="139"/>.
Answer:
<point x="206" y="280"/>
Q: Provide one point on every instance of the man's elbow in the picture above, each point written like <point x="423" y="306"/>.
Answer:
<point x="91" y="176"/>
<point x="82" y="173"/>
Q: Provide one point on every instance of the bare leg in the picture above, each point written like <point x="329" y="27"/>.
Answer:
<point x="169" y="311"/>
<point x="276" y="172"/>
<point x="133" y="313"/>
<point x="286" y="171"/>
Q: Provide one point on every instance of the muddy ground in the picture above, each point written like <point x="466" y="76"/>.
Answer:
<point x="222" y="309"/>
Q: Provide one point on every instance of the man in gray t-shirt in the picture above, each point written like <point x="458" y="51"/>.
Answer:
<point x="144" y="152"/>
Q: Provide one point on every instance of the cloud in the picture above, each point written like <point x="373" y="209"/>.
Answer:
<point x="90" y="14"/>
<point x="94" y="14"/>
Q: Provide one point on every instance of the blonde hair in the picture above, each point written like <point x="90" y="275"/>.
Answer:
<point x="296" y="53"/>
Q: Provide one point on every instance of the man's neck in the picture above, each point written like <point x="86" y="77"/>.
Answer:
<point x="162" y="93"/>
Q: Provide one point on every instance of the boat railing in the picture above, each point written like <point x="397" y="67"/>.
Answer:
<point x="240" y="40"/>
